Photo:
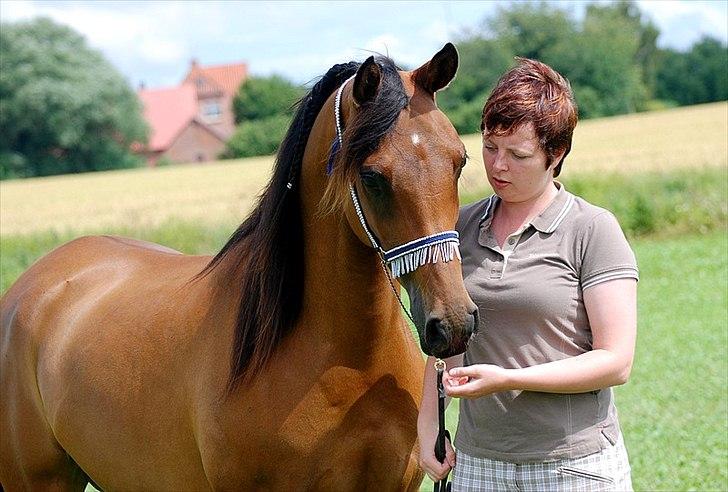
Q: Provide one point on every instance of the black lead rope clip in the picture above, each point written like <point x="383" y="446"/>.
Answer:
<point x="442" y="433"/>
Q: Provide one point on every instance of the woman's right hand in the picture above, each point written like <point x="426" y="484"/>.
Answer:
<point x="434" y="469"/>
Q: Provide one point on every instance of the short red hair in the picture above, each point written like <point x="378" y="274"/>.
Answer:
<point x="532" y="92"/>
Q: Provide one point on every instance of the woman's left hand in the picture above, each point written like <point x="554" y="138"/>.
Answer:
<point x="474" y="381"/>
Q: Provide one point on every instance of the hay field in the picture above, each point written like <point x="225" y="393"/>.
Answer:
<point x="692" y="136"/>
<point x="223" y="192"/>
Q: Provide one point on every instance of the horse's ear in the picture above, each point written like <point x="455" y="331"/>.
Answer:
<point x="366" y="82"/>
<point x="439" y="71"/>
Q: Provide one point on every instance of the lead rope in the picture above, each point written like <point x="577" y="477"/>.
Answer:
<point x="442" y="432"/>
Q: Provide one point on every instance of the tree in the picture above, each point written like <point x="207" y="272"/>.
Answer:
<point x="263" y="97"/>
<point x="482" y="62"/>
<point x="531" y="30"/>
<point x="257" y="137"/>
<point x="600" y="61"/>
<point x="697" y="76"/>
<point x="63" y="107"/>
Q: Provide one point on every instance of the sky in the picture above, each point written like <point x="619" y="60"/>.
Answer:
<point x="154" y="41"/>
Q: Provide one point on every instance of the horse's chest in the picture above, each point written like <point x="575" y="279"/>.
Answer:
<point x="341" y="433"/>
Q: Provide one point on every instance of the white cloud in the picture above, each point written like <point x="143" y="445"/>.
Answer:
<point x="154" y="40"/>
<point x="682" y="23"/>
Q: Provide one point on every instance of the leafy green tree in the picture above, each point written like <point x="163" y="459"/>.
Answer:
<point x="600" y="62"/>
<point x="63" y="107"/>
<point x="699" y="75"/>
<point x="263" y="97"/>
<point x="257" y="137"/>
<point x="531" y="30"/>
<point x="482" y="62"/>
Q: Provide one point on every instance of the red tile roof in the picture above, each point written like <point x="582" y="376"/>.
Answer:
<point x="168" y="112"/>
<point x="225" y="77"/>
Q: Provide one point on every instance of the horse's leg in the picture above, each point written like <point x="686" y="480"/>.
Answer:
<point x="30" y="456"/>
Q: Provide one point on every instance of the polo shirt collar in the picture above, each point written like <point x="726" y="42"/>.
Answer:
<point x="551" y="218"/>
<point x="547" y="221"/>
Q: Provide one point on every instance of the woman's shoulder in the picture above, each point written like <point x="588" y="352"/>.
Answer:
<point x="585" y="215"/>
<point x="474" y="213"/>
<point x="595" y="228"/>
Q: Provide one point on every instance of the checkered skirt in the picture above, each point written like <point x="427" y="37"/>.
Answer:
<point x="606" y="470"/>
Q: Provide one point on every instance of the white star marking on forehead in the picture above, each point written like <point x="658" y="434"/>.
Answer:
<point x="415" y="138"/>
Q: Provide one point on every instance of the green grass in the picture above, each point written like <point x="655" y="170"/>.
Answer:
<point x="674" y="410"/>
<point x="654" y="203"/>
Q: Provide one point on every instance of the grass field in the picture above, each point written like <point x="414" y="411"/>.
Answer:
<point x="223" y="192"/>
<point x="674" y="410"/>
<point x="665" y="174"/>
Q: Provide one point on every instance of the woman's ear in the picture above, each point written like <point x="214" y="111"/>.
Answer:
<point x="556" y="160"/>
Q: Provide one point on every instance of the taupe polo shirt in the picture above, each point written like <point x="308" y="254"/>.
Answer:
<point x="532" y="311"/>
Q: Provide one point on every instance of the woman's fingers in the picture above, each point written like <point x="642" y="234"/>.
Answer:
<point x="434" y="469"/>
<point x="449" y="454"/>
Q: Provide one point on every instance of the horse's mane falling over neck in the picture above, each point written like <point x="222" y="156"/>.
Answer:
<point x="264" y="256"/>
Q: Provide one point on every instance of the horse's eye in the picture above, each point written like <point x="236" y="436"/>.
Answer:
<point x="462" y="164"/>
<point x="373" y="181"/>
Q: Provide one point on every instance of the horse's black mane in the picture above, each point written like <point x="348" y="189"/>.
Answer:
<point x="265" y="254"/>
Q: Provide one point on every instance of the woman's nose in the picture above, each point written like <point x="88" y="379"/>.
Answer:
<point x="499" y="162"/>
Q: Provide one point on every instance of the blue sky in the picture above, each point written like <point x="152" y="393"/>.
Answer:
<point x="155" y="41"/>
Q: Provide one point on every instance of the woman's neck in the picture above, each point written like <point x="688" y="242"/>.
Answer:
<point x="511" y="216"/>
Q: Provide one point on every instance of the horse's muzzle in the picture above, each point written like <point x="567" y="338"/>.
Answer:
<point x="448" y="336"/>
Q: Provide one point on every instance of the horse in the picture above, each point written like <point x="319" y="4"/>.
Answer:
<point x="281" y="363"/>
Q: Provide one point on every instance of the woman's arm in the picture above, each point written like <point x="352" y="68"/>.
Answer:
<point x="427" y="423"/>
<point x="612" y="310"/>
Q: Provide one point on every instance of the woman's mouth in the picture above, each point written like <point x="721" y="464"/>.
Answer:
<point x="499" y="183"/>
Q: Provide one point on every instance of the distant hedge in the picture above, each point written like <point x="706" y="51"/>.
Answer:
<point x="257" y="137"/>
<point x="685" y="201"/>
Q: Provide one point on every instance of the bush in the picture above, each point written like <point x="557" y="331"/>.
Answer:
<point x="466" y="117"/>
<point x="257" y="137"/>
<point x="264" y="97"/>
<point x="671" y="203"/>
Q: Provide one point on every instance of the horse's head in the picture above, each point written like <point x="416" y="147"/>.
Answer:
<point x="403" y="158"/>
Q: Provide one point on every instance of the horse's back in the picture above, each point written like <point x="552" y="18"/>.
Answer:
<point x="60" y="319"/>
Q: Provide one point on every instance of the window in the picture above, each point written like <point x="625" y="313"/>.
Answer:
<point x="211" y="110"/>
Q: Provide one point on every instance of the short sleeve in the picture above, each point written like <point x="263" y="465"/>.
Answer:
<point x="605" y="252"/>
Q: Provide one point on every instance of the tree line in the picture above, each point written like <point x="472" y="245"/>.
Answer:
<point x="610" y="57"/>
<point x="63" y="108"/>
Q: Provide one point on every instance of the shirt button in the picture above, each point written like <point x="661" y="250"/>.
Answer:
<point x="512" y="240"/>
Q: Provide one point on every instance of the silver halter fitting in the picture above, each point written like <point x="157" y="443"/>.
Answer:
<point x="406" y="258"/>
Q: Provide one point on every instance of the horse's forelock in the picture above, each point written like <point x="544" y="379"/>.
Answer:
<point x="364" y="133"/>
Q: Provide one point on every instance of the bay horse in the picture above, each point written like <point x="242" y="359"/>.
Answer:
<point x="283" y="362"/>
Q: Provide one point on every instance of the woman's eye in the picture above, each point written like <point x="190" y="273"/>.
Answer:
<point x="519" y="156"/>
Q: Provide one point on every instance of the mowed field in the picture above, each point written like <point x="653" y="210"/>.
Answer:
<point x="674" y="410"/>
<point x="223" y="192"/>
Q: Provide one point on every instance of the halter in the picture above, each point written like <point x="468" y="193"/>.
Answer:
<point x="405" y="258"/>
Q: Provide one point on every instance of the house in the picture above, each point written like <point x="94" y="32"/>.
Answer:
<point x="191" y="122"/>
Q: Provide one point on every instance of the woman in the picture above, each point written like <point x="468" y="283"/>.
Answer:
<point x="555" y="282"/>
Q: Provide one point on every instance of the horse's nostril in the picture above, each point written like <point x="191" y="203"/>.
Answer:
<point x="436" y="335"/>
<point x="474" y="318"/>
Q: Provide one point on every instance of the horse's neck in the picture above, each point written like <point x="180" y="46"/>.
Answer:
<point x="347" y="291"/>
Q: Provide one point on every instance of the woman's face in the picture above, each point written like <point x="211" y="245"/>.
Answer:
<point x="516" y="165"/>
